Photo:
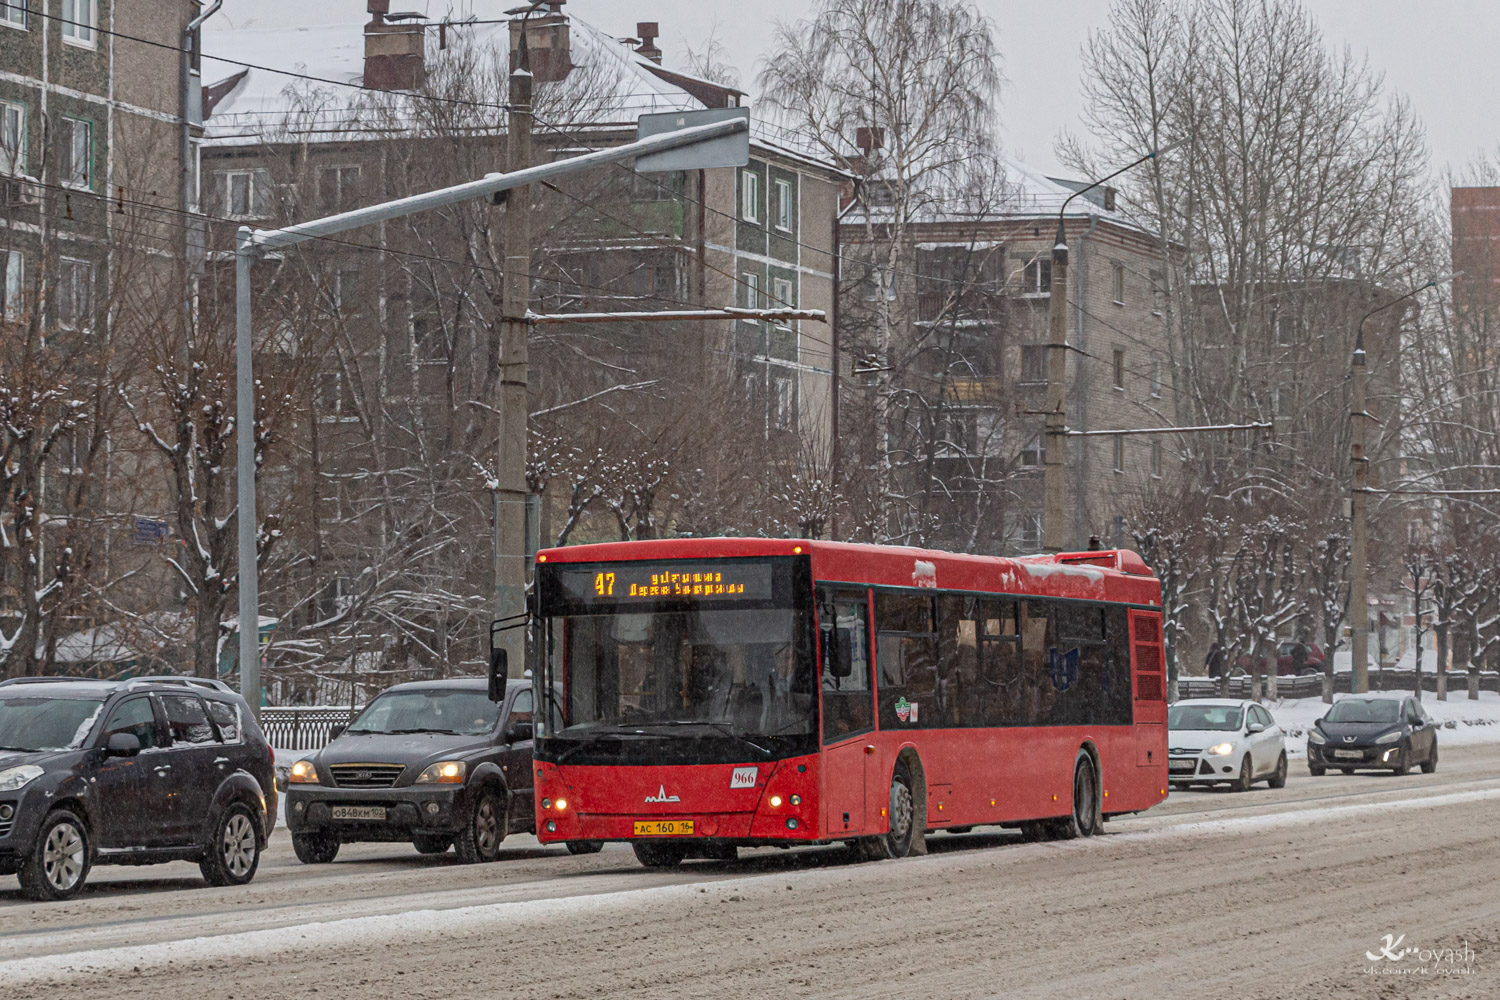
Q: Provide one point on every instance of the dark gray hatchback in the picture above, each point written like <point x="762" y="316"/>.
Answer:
<point x="132" y="773"/>
<point x="432" y="763"/>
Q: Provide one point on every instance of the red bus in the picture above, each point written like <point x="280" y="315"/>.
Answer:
<point x="707" y="694"/>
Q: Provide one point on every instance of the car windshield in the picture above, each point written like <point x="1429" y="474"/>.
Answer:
<point x="435" y="710"/>
<point x="40" y="723"/>
<point x="1365" y="710"/>
<point x="1220" y="717"/>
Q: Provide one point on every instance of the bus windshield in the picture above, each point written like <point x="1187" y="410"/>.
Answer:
<point x="736" y="672"/>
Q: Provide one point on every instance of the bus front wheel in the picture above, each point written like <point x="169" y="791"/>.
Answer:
<point x="655" y="854"/>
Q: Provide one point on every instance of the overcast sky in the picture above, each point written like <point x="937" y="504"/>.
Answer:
<point x="1441" y="53"/>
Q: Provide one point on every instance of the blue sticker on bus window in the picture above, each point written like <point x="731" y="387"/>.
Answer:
<point x="1063" y="668"/>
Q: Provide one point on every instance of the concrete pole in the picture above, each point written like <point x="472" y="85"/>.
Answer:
<point x="1056" y="440"/>
<point x="244" y="440"/>
<point x="1359" y="528"/>
<point x="510" y="497"/>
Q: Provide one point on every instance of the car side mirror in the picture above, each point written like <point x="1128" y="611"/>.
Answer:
<point x="1255" y="727"/>
<point x="519" y="732"/>
<point x="123" y="745"/>
<point x="335" y="731"/>
<point x="499" y="671"/>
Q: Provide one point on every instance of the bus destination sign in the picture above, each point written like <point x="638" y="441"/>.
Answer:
<point x="622" y="583"/>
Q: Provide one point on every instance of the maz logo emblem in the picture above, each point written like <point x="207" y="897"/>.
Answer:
<point x="662" y="796"/>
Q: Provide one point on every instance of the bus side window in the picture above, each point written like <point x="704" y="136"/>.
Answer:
<point x="844" y="647"/>
<point x="958" y="690"/>
<point x="1118" y="707"/>
<point x="1002" y="699"/>
<point x="1038" y="629"/>
<point x="906" y="658"/>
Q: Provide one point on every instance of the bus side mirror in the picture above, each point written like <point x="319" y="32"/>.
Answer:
<point x="838" y="652"/>
<point x="498" y="672"/>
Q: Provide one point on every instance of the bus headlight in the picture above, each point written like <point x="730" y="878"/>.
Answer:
<point x="776" y="802"/>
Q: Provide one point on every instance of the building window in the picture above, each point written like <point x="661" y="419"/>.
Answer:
<point x="77" y="152"/>
<point x="1155" y="458"/>
<point x="1119" y="366"/>
<point x="1156" y="379"/>
<point x="782" y="297"/>
<point x="784" y="206"/>
<point x="75" y="293"/>
<point x="750" y="196"/>
<point x="245" y="193"/>
<point x="79" y="18"/>
<point x="1118" y="284"/>
<point x="1033" y="362"/>
<point x="13" y="13"/>
<point x="783" y="403"/>
<point x="1158" y="293"/>
<point x="1030" y="456"/>
<point x="12" y="138"/>
<point x="1119" y="452"/>
<point x="11" y="288"/>
<point x="1028" y="532"/>
<point x="752" y="293"/>
<point x="1286" y="330"/>
<point x="657" y="186"/>
<point x="338" y="188"/>
<point x="1036" y="277"/>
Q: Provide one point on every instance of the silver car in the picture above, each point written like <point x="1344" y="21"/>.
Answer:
<point x="1224" y="741"/>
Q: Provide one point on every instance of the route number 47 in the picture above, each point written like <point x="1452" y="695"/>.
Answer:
<point x="604" y="584"/>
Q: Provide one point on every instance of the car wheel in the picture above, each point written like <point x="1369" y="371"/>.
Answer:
<point x="1346" y="770"/>
<point x="1247" y="775"/>
<point x="316" y="848"/>
<point x="1316" y="770"/>
<point x="1083" y="821"/>
<point x="233" y="853"/>
<point x="654" y="854"/>
<point x="431" y="843"/>
<point x="59" y="861"/>
<point x="585" y="846"/>
<point x="1278" y="777"/>
<point x="1403" y="761"/>
<point x="1430" y="764"/>
<point x="479" y="840"/>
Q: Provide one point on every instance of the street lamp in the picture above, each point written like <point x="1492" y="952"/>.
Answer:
<point x="1359" y="522"/>
<point x="1054" y="455"/>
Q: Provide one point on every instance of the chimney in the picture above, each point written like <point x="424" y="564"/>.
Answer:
<point x="869" y="139"/>
<point x="647" y="32"/>
<point x="394" y="49"/>
<point x="548" y="43"/>
<point x="1109" y="199"/>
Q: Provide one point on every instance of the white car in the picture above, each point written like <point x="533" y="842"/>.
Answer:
<point x="1222" y="740"/>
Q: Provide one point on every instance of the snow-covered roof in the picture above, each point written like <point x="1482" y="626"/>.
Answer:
<point x="326" y="39"/>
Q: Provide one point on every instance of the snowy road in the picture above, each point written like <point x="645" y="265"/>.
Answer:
<point x="1264" y="894"/>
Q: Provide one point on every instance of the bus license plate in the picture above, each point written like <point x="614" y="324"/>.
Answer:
<point x="664" y="828"/>
<point x="358" y="812"/>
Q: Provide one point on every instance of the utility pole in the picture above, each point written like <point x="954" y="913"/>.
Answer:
<point x="510" y="464"/>
<point x="1359" y="526"/>
<point x="1359" y="491"/>
<point x="1055" y="440"/>
<point x="1056" y="436"/>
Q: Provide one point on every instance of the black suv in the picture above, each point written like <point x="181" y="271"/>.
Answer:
<point x="435" y="763"/>
<point x="129" y="773"/>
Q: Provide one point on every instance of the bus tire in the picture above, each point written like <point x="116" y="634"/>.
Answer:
<point x="897" y="842"/>
<point x="654" y="854"/>
<point x="584" y="846"/>
<point x="1033" y="831"/>
<point x="1083" y="820"/>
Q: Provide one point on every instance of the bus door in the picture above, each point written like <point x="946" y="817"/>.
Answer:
<point x="848" y="708"/>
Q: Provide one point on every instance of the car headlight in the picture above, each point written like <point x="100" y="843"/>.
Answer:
<point x="1313" y="736"/>
<point x="18" y="777"/>
<point x="1220" y="749"/>
<point x="303" y="773"/>
<point x="1390" y="737"/>
<point x="445" y="772"/>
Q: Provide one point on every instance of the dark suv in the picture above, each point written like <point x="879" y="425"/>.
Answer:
<point x="435" y="763"/>
<point x="129" y="773"/>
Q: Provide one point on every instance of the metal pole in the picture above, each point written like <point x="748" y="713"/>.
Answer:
<point x="1359" y="529"/>
<point x="1055" y="443"/>
<point x="244" y="439"/>
<point x="510" y="497"/>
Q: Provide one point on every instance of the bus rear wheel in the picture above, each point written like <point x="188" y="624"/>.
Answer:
<point x="1083" y="821"/>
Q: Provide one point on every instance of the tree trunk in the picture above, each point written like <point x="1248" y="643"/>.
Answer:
<point x="1443" y="652"/>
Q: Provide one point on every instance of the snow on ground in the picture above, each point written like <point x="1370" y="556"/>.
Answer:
<point x="1463" y="722"/>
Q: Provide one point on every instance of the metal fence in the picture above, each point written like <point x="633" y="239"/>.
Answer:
<point x="298" y="727"/>
<point x="1311" y="686"/>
